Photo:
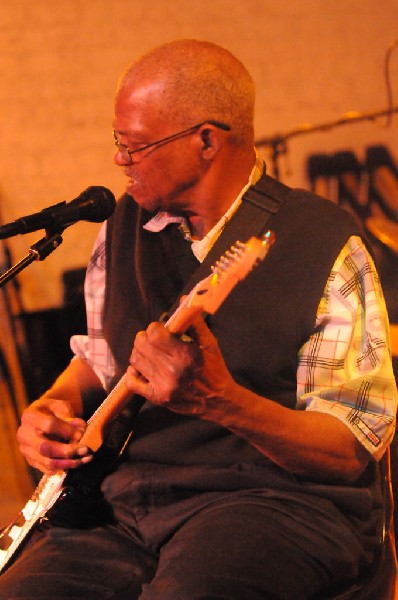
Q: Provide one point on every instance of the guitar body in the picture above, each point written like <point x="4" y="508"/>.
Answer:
<point x="80" y="503"/>
<point x="73" y="498"/>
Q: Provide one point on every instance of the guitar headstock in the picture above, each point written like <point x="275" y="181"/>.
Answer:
<point x="232" y="267"/>
<point x="210" y="293"/>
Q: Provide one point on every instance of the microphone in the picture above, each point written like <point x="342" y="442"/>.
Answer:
<point x="95" y="204"/>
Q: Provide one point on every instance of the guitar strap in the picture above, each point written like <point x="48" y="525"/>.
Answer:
<point x="259" y="203"/>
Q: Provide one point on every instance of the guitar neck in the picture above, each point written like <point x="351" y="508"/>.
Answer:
<point x="117" y="399"/>
<point x="205" y="297"/>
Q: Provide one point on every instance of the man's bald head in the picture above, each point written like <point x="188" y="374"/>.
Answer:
<point x="199" y="81"/>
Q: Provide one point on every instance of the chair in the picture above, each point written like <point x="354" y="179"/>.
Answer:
<point x="379" y="581"/>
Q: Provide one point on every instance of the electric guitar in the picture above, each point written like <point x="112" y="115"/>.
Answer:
<point x="53" y="491"/>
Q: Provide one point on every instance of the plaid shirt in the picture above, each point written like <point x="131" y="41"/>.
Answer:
<point x="344" y="369"/>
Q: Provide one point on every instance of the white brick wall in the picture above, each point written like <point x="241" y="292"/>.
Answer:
<point x="312" y="61"/>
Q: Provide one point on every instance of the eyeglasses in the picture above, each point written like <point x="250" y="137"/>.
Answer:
<point x="127" y="153"/>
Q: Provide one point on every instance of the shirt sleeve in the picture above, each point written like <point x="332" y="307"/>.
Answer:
<point x="93" y="347"/>
<point x="345" y="367"/>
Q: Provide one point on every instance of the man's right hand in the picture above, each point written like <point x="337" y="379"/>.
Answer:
<point x="49" y="436"/>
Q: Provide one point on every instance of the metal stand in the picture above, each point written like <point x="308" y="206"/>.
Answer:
<point x="38" y="251"/>
<point x="278" y="142"/>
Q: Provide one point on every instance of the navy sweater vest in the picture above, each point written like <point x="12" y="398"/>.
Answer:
<point x="260" y="328"/>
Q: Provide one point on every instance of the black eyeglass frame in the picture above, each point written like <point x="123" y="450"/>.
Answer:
<point x="123" y="148"/>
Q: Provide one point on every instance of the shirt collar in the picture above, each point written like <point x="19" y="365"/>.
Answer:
<point x="201" y="247"/>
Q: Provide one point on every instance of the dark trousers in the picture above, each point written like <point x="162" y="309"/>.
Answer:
<point x="247" y="544"/>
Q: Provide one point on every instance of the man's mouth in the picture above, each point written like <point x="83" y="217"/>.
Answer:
<point x="130" y="179"/>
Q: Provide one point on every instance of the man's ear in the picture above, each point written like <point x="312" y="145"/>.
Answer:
<point x="206" y="138"/>
<point x="210" y="142"/>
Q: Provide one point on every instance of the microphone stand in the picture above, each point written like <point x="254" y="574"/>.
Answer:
<point x="38" y="251"/>
<point x="278" y="142"/>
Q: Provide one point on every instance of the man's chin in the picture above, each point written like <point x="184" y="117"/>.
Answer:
<point x="149" y="204"/>
<point x="131" y="187"/>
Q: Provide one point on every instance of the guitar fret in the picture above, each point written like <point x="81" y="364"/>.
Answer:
<point x="29" y="509"/>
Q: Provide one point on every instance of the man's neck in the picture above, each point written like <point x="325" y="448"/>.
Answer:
<point x="225" y="188"/>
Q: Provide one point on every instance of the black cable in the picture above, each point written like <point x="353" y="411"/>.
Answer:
<point x="387" y="78"/>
